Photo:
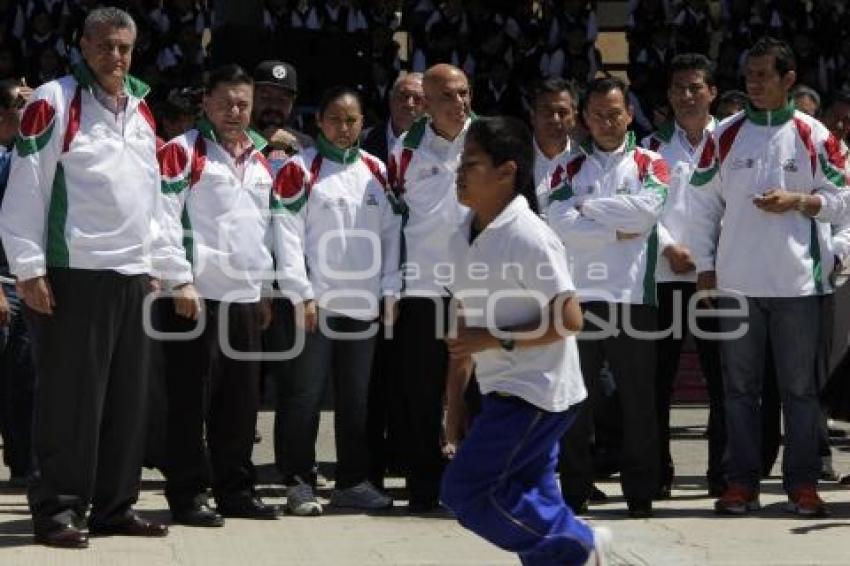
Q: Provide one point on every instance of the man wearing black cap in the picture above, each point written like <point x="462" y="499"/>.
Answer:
<point x="275" y="89"/>
<point x="276" y="86"/>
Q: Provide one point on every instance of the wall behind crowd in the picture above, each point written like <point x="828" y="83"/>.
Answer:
<point x="504" y="46"/>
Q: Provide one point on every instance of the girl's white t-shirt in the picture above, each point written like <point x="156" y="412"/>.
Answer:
<point x="504" y="278"/>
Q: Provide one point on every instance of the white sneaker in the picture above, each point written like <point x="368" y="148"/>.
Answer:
<point x="301" y="501"/>
<point x="601" y="553"/>
<point x="364" y="495"/>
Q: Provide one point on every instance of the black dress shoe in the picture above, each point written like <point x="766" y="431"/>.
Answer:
<point x="578" y="508"/>
<point x="422" y="506"/>
<point x="665" y="491"/>
<point x="134" y="527"/>
<point x="66" y="536"/>
<point x="198" y="516"/>
<point x="247" y="507"/>
<point x="716" y="489"/>
<point x="597" y="495"/>
<point x="640" y="509"/>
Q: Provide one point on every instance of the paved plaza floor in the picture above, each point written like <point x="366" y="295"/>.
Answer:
<point x="683" y="532"/>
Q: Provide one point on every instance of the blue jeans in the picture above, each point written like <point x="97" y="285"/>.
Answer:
<point x="793" y="326"/>
<point x="17" y="383"/>
<point x="346" y="362"/>
<point x="501" y="484"/>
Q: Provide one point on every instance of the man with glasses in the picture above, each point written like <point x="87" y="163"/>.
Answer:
<point x="606" y="211"/>
<point x="76" y="224"/>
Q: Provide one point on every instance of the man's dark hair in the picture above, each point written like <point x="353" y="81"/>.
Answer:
<point x="604" y="85"/>
<point x="734" y="96"/>
<point x="691" y="62"/>
<point x="554" y="85"/>
<point x="180" y="102"/>
<point x="227" y="74"/>
<point x="504" y="139"/>
<point x="784" y="58"/>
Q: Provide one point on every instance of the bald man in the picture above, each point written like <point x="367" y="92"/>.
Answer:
<point x="422" y="169"/>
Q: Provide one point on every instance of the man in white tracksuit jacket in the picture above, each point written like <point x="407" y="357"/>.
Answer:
<point x="606" y="212"/>
<point x="76" y="225"/>
<point x="553" y="117"/>
<point x="422" y="169"/>
<point x="769" y="184"/>
<point x="690" y="91"/>
<point x="218" y="210"/>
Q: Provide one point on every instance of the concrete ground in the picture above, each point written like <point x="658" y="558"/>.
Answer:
<point x="684" y="531"/>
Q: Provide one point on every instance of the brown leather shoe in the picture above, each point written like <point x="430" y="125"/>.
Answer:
<point x="66" y="536"/>
<point x="134" y="527"/>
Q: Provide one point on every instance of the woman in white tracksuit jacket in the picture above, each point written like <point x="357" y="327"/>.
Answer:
<point x="340" y="234"/>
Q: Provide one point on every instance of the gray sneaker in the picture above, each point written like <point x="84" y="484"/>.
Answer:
<point x="301" y="501"/>
<point x="364" y="495"/>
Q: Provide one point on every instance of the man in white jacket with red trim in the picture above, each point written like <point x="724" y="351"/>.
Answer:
<point x="606" y="212"/>
<point x="769" y="184"/>
<point x="76" y="225"/>
<point x="422" y="170"/>
<point x="690" y="91"/>
<point x="218" y="204"/>
<point x="553" y="117"/>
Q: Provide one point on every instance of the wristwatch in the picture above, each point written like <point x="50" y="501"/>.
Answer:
<point x="507" y="344"/>
<point x="801" y="204"/>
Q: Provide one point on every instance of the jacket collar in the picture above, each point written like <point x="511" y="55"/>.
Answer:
<point x="589" y="148"/>
<point x="132" y="86"/>
<point x="329" y="151"/>
<point x="538" y="153"/>
<point x="770" y="117"/>
<point x="207" y="130"/>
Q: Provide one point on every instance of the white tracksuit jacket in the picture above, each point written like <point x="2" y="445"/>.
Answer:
<point x="602" y="194"/>
<point x="756" y="253"/>
<point x="339" y="232"/>
<point x="674" y="228"/>
<point x="423" y="170"/>
<point x="217" y="222"/>
<point x="83" y="189"/>
<point x="549" y="173"/>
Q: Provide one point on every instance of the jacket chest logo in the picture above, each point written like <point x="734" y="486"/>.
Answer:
<point x="743" y="163"/>
<point x="624" y="188"/>
<point x="427" y="173"/>
<point x="371" y="200"/>
<point x="99" y="131"/>
<point x="789" y="165"/>
<point x="339" y="203"/>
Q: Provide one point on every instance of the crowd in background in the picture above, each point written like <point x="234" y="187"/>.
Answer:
<point x="504" y="47"/>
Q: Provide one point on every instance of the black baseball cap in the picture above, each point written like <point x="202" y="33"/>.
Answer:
<point x="277" y="73"/>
